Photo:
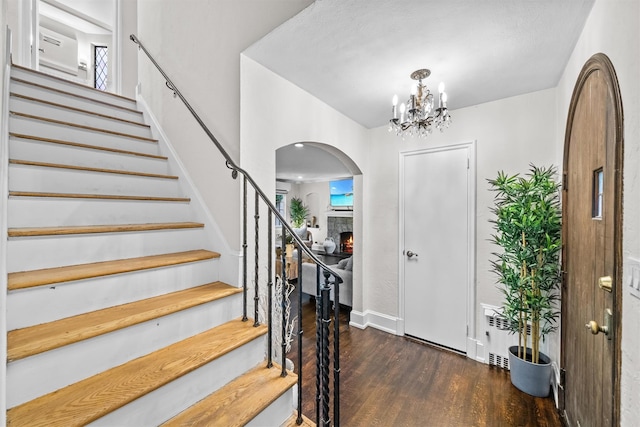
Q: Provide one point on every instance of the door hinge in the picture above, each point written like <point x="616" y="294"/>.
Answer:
<point x="468" y="163"/>
<point x="565" y="186"/>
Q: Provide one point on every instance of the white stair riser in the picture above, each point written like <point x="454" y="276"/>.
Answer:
<point x="40" y="151"/>
<point x="46" y="372"/>
<point x="168" y="401"/>
<point x="276" y="413"/>
<point x="32" y="253"/>
<point x="43" y="129"/>
<point x="44" y="212"/>
<point x="72" y="88"/>
<point x="56" y="180"/>
<point x="67" y="299"/>
<point x="21" y="105"/>
<point x="73" y="101"/>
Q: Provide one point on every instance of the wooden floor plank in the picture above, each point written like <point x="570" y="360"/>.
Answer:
<point x="94" y="397"/>
<point x="97" y="196"/>
<point x="84" y="127"/>
<point x="238" y="402"/>
<point x="95" y="229"/>
<point x="86" y="146"/>
<point x="90" y="169"/>
<point x="292" y="422"/>
<point x="37" y="339"/>
<point x="388" y="380"/>
<point x="47" y="276"/>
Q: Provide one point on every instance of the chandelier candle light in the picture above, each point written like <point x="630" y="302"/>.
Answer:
<point x="418" y="116"/>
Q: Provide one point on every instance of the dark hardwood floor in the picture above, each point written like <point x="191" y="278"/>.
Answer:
<point x="388" y="380"/>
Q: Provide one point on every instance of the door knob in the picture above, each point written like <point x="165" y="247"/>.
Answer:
<point x="411" y="254"/>
<point x="605" y="283"/>
<point x="606" y="328"/>
<point x="595" y="328"/>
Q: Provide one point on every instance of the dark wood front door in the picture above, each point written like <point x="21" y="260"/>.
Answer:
<point x="592" y="236"/>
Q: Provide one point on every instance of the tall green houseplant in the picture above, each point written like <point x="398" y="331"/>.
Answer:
<point x="528" y="231"/>
<point x="298" y="212"/>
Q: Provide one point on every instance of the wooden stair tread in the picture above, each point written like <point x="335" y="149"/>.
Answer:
<point x="89" y="128"/>
<point x="291" y="422"/>
<point x="78" y="110"/>
<point x="86" y="98"/>
<point x="89" y="399"/>
<point x="37" y="339"/>
<point x="90" y="169"/>
<point x="60" y="79"/>
<point x="97" y="196"/>
<point x="95" y="229"/>
<point x="47" y="276"/>
<point x="87" y="146"/>
<point x="239" y="401"/>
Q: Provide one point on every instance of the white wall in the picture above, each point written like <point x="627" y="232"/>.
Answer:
<point x="613" y="28"/>
<point x="510" y="134"/>
<point x="271" y="118"/>
<point x="204" y="38"/>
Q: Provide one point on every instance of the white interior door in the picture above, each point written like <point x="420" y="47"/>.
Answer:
<point x="436" y="206"/>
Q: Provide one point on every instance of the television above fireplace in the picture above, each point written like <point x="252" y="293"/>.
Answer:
<point x="341" y="194"/>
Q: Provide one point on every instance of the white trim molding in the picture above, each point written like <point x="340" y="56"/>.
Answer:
<point x="475" y="348"/>
<point x="376" y="320"/>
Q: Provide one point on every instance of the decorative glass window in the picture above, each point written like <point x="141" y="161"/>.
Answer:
<point x="598" y="192"/>
<point x="100" y="60"/>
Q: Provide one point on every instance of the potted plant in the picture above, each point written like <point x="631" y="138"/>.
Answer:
<point x="298" y="213"/>
<point x="528" y="231"/>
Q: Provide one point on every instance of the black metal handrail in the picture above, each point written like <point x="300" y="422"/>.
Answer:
<point x="322" y="287"/>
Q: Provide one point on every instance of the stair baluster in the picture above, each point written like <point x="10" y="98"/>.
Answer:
<point x="323" y="302"/>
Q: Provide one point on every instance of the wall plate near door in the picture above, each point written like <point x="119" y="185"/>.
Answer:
<point x="633" y="278"/>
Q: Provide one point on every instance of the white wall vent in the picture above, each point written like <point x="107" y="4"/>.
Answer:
<point x="497" y="338"/>
<point x="58" y="51"/>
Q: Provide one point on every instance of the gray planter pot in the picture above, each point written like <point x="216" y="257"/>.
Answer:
<point x="532" y="378"/>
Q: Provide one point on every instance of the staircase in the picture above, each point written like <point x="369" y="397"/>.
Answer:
<point x="115" y="309"/>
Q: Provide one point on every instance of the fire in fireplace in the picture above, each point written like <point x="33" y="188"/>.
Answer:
<point x="346" y="242"/>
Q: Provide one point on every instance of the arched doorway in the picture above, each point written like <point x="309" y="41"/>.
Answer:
<point x="306" y="169"/>
<point x="592" y="253"/>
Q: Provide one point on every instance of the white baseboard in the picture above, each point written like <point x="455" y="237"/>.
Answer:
<point x="376" y="320"/>
<point x="475" y="350"/>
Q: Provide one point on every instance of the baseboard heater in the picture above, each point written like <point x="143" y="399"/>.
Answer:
<point x="497" y="337"/>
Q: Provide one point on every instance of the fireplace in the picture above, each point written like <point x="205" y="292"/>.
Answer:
<point x="340" y="229"/>
<point x="346" y="242"/>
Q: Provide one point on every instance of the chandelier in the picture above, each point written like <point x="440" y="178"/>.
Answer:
<point x="418" y="116"/>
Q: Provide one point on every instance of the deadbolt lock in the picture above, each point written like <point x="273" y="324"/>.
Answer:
<point x="605" y="283"/>
<point x="606" y="328"/>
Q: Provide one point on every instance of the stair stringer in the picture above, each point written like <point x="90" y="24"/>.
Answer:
<point x="4" y="199"/>
<point x="230" y="261"/>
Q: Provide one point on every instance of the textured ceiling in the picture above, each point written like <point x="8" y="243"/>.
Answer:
<point x="308" y="164"/>
<point x="356" y="54"/>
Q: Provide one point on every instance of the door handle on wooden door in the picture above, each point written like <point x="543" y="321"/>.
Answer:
<point x="606" y="329"/>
